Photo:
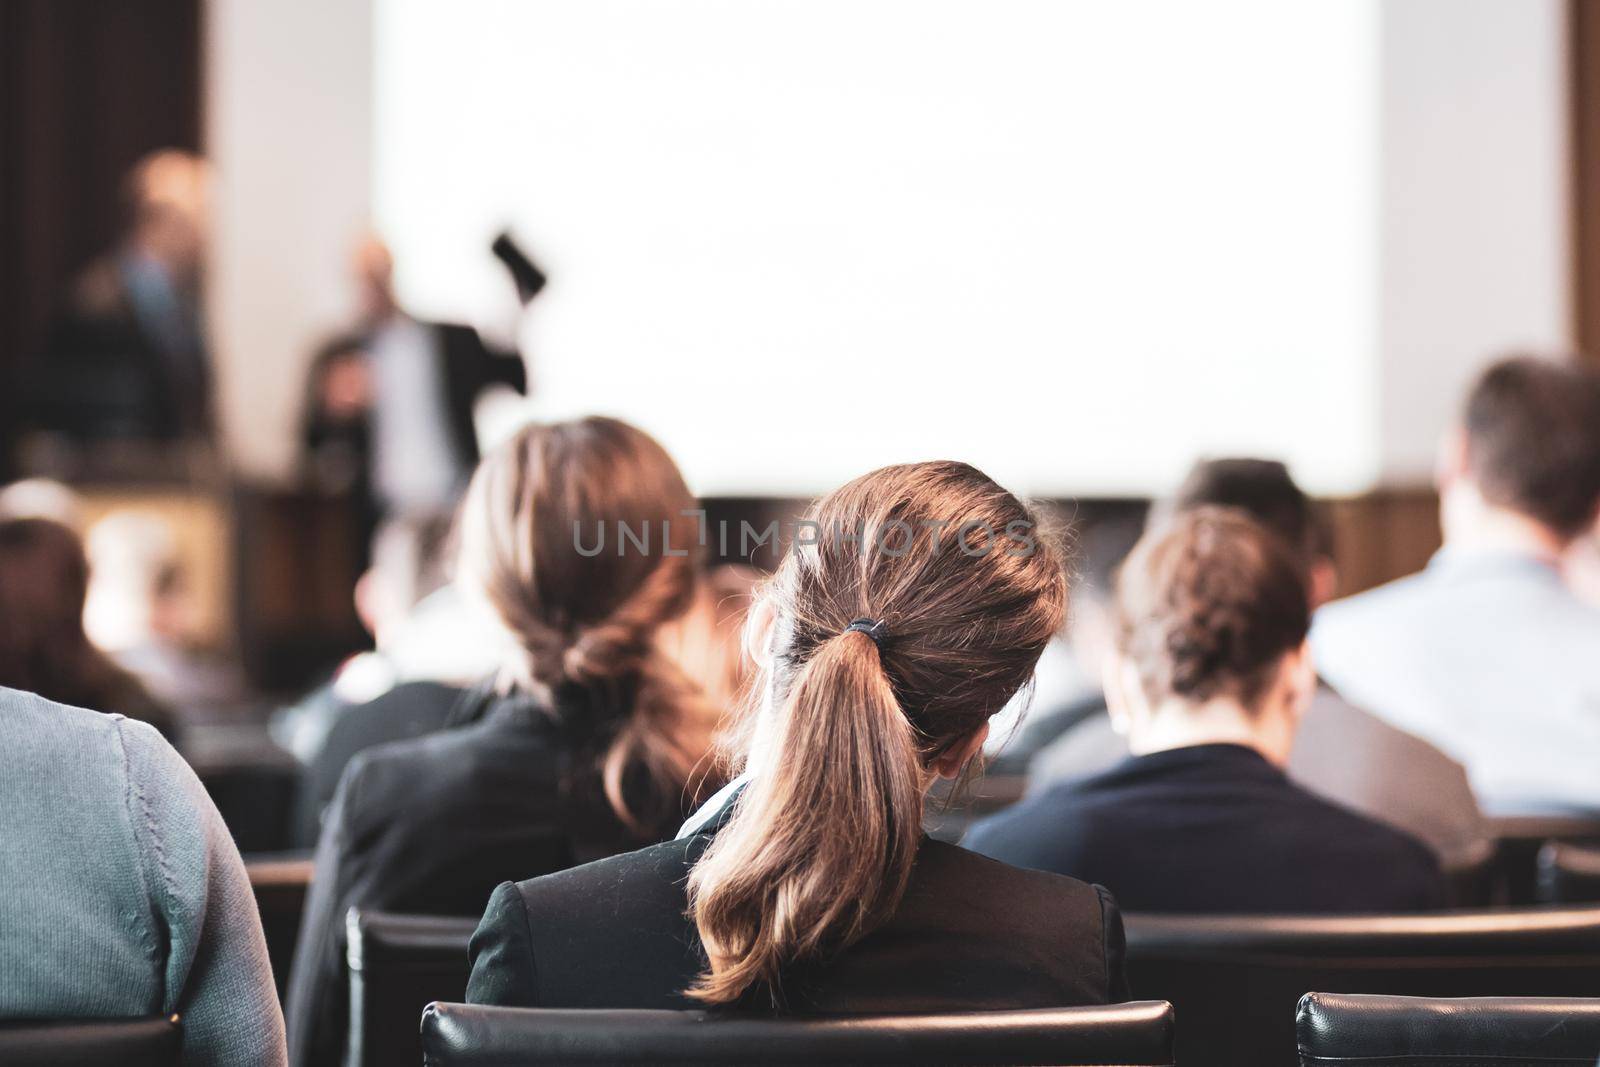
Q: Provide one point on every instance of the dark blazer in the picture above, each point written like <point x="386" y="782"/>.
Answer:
<point x="410" y="709"/>
<point x="107" y="372"/>
<point x="467" y="368"/>
<point x="1213" y="828"/>
<point x="970" y="935"/>
<point x="431" y="826"/>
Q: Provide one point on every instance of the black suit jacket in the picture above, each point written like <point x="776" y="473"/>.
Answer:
<point x="1213" y="828"/>
<point x="431" y="826"/>
<point x="105" y="375"/>
<point x="971" y="934"/>
<point x="410" y="709"/>
<point x="467" y="368"/>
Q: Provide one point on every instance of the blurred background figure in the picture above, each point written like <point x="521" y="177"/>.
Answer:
<point x="126" y="358"/>
<point x="1487" y="652"/>
<point x="141" y="611"/>
<point x="44" y="580"/>
<point x="389" y="416"/>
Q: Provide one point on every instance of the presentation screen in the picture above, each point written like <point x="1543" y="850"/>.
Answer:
<point x="1076" y="244"/>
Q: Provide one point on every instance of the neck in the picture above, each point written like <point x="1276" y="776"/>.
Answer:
<point x="1472" y="524"/>
<point x="1220" y="721"/>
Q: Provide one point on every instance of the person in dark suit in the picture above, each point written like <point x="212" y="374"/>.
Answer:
<point x="126" y="358"/>
<point x="1341" y="752"/>
<point x="586" y="747"/>
<point x="389" y="411"/>
<point x="808" y="885"/>
<point x="410" y="709"/>
<point x="1209" y="679"/>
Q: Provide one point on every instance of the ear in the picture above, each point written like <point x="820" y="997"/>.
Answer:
<point x="1324" y="581"/>
<point x="1453" y="459"/>
<point x="950" y="762"/>
<point x="759" y="626"/>
<point x="1124" y="697"/>
<point x="1300" y="680"/>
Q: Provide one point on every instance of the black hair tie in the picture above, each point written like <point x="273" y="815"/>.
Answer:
<point x="873" y="628"/>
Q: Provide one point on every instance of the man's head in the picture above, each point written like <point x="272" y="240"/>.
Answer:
<point x="1529" y="444"/>
<point x="372" y="266"/>
<point x="166" y="199"/>
<point x="1264" y="491"/>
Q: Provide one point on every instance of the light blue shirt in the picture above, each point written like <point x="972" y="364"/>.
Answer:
<point x="1490" y="657"/>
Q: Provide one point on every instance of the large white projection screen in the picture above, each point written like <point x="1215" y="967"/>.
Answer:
<point x="1077" y="244"/>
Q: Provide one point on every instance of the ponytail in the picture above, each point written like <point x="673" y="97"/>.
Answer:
<point x="820" y="846"/>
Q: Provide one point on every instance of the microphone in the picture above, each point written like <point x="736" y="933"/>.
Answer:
<point x="529" y="278"/>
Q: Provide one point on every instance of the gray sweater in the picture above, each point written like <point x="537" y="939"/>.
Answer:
<point x="121" y="892"/>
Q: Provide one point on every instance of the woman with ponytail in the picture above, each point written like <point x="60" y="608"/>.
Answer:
<point x="582" y="539"/>
<point x="911" y="607"/>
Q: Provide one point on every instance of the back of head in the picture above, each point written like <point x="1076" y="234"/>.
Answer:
<point x="917" y="610"/>
<point x="581" y="536"/>
<point x="1262" y="489"/>
<point x="1207" y="605"/>
<point x="1532" y="429"/>
<point x="44" y="579"/>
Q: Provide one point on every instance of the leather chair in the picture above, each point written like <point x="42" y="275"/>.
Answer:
<point x="1376" y="1031"/>
<point x="1518" y="840"/>
<point x="461" y="1035"/>
<point x="398" y="964"/>
<point x="154" y="1042"/>
<point x="1568" y="874"/>
<point x="280" y="882"/>
<point x="1235" y="980"/>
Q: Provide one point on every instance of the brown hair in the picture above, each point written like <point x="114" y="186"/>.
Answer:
<point x="1207" y="604"/>
<point x="1264" y="490"/>
<point x="44" y="579"/>
<point x="1533" y="441"/>
<point x="963" y="592"/>
<point x="576" y="533"/>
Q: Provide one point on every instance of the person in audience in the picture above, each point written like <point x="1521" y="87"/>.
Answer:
<point x="44" y="580"/>
<point x="1488" y="653"/>
<point x="142" y="611"/>
<point x="1066" y="700"/>
<point x="587" y="746"/>
<point x="885" y="645"/>
<point x="124" y="894"/>
<point x="1340" y="751"/>
<point x="1209" y="678"/>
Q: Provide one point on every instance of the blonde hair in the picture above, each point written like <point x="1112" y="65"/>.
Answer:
<point x="962" y="591"/>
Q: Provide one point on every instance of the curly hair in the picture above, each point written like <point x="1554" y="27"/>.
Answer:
<point x="1207" y="605"/>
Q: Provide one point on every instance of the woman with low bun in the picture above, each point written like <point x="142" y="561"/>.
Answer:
<point x="1208" y="680"/>
<point x="584" y="541"/>
<point x="910" y="608"/>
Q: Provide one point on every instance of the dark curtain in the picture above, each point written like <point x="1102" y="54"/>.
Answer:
<point x="86" y="88"/>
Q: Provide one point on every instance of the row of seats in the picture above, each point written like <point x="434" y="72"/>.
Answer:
<point x="1329" y="1029"/>
<point x="400" y="963"/>
<point x="1235" y="980"/>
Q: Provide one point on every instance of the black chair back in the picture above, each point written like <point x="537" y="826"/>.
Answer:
<point x="1569" y="874"/>
<point x="92" y="1043"/>
<point x="461" y="1035"/>
<point x="1235" y="980"/>
<point x="1518" y="840"/>
<point x="280" y="882"/>
<point x="398" y="965"/>
<point x="1377" y="1031"/>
